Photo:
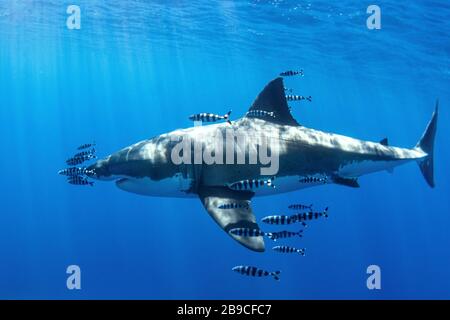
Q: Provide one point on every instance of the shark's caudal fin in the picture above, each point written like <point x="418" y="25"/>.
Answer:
<point x="426" y="144"/>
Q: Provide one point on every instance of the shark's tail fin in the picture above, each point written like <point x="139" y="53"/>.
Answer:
<point x="426" y="144"/>
<point x="227" y="117"/>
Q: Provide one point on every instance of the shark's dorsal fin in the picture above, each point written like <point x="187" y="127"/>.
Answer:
<point x="227" y="219"/>
<point x="272" y="99"/>
<point x="384" y="142"/>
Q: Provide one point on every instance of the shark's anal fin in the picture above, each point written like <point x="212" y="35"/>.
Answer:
<point x="272" y="99"/>
<point x="348" y="182"/>
<point x="227" y="219"/>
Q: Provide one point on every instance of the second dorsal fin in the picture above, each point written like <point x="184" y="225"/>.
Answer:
<point x="384" y="142"/>
<point x="272" y="99"/>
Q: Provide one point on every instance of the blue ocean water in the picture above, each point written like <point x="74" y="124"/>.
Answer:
<point x="138" y="68"/>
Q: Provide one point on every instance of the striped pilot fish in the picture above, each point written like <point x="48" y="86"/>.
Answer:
<point x="313" y="180"/>
<point x="75" y="171"/>
<point x="310" y="215"/>
<point x="79" y="180"/>
<point x="85" y="146"/>
<point x="260" y="114"/>
<point x="247" y="232"/>
<point x="291" y="73"/>
<point x="80" y="159"/>
<point x="279" y="219"/>
<point x="299" y="207"/>
<point x="256" y="272"/>
<point x="251" y="184"/>
<point x="210" y="117"/>
<point x="293" y="97"/>
<point x="84" y="153"/>
<point x="287" y="249"/>
<point x="235" y="205"/>
<point x="285" y="234"/>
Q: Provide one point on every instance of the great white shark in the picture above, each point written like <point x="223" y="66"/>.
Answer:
<point x="147" y="167"/>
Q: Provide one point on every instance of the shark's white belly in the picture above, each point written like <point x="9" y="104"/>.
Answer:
<point x="180" y="187"/>
<point x="176" y="186"/>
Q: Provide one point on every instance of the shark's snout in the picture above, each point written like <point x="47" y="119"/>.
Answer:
<point x="100" y="170"/>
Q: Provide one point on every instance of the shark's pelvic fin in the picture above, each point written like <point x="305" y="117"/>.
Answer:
<point x="273" y="99"/>
<point x="426" y="144"/>
<point x="348" y="182"/>
<point x="227" y="219"/>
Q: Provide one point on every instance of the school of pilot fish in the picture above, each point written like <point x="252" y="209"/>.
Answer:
<point x="306" y="214"/>
<point x="80" y="176"/>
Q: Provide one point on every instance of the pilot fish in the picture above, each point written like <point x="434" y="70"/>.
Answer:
<point x="78" y="180"/>
<point x="313" y="180"/>
<point x="84" y="153"/>
<point x="85" y="146"/>
<point x="210" y="117"/>
<point x="291" y="73"/>
<point x="287" y="249"/>
<point x="80" y="159"/>
<point x="256" y="272"/>
<point x="247" y="232"/>
<point x="74" y="171"/>
<point x="251" y="184"/>
<point x="284" y="234"/>
<point x="259" y="114"/>
<point x="279" y="219"/>
<point x="310" y="215"/>
<point x="293" y="97"/>
<point x="299" y="206"/>
<point x="235" y="205"/>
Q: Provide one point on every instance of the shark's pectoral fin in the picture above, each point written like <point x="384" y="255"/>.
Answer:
<point x="227" y="219"/>
<point x="348" y="182"/>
